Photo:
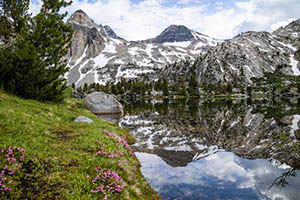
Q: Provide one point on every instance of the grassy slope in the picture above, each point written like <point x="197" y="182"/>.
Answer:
<point x="61" y="154"/>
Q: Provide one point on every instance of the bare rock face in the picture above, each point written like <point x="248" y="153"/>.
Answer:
<point x="174" y="33"/>
<point x="86" y="39"/>
<point x="180" y="33"/>
<point x="81" y="18"/>
<point x="111" y="32"/>
<point x="101" y="103"/>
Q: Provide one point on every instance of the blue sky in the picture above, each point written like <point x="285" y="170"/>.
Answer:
<point x="171" y="3"/>
<point x="222" y="19"/>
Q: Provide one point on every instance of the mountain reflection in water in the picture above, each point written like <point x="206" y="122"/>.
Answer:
<point x="217" y="149"/>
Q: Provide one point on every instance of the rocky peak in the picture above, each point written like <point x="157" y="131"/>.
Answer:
<point x="81" y="18"/>
<point x="88" y="38"/>
<point x="174" y="33"/>
<point x="177" y="28"/>
<point x="289" y="33"/>
<point x="80" y="11"/>
<point x="110" y="32"/>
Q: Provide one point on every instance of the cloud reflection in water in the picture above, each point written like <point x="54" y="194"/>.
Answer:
<point x="220" y="176"/>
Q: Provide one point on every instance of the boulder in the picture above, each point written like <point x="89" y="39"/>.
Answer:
<point x="102" y="103"/>
<point x="83" y="119"/>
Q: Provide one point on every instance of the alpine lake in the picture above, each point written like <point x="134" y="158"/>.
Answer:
<point x="217" y="148"/>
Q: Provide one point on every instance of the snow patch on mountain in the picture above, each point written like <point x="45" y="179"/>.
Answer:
<point x="294" y="63"/>
<point x="178" y="44"/>
<point x="288" y="46"/>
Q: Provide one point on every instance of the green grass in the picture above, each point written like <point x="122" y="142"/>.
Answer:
<point x="61" y="154"/>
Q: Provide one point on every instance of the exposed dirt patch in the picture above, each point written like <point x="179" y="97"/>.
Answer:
<point x="63" y="134"/>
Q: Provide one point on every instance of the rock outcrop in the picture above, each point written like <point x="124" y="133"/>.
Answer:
<point x="110" y="32"/>
<point x="101" y="103"/>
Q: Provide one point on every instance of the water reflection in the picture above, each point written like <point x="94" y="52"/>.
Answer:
<point x="217" y="149"/>
<point x="219" y="176"/>
<point x="114" y="118"/>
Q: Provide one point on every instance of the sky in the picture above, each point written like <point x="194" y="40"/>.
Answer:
<point x="221" y="19"/>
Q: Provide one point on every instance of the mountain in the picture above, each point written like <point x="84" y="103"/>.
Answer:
<point x="245" y="56"/>
<point x="98" y="55"/>
<point x="180" y="33"/>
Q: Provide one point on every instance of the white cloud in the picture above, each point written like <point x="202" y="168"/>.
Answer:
<point x="138" y="21"/>
<point x="35" y="6"/>
<point x="223" y="167"/>
<point x="147" y="18"/>
<point x="185" y="2"/>
<point x="222" y="24"/>
<point x="263" y="14"/>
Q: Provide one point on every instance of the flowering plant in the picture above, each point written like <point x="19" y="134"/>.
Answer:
<point x="120" y="140"/>
<point x="107" y="181"/>
<point x="10" y="162"/>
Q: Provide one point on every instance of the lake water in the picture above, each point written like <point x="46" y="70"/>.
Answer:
<point x="217" y="149"/>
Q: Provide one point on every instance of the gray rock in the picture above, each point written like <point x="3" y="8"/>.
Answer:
<point x="102" y="103"/>
<point x="114" y="118"/>
<point x="174" y="33"/>
<point x="88" y="38"/>
<point x="81" y="18"/>
<point x="83" y="119"/>
<point x="110" y="32"/>
<point x="89" y="66"/>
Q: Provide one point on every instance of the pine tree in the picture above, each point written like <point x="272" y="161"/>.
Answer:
<point x="229" y="87"/>
<point x="85" y="88"/>
<point x="182" y="86"/>
<point x="34" y="65"/>
<point x="193" y="86"/>
<point x="13" y="18"/>
<point x="165" y="87"/>
<point x="176" y="88"/>
<point x="249" y="91"/>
